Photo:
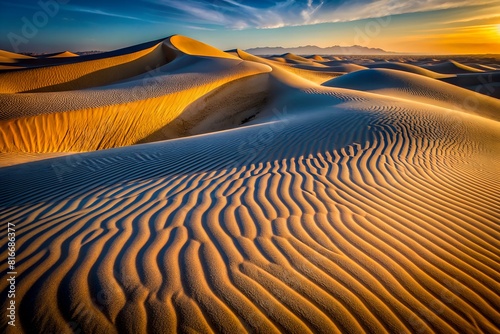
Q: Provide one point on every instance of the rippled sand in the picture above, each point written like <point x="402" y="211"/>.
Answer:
<point x="291" y="196"/>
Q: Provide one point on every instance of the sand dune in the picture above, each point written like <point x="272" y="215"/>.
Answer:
<point x="297" y="61"/>
<point x="101" y="117"/>
<point x="11" y="57"/>
<point x="317" y="58"/>
<point x="409" y="68"/>
<point x="452" y="67"/>
<point x="418" y="88"/>
<point x="11" y="68"/>
<point x="309" y="74"/>
<point x="278" y="59"/>
<point x="64" y="54"/>
<point x="83" y="75"/>
<point x="193" y="47"/>
<point x="367" y="204"/>
<point x="485" y="83"/>
<point x="291" y="56"/>
<point x="346" y="68"/>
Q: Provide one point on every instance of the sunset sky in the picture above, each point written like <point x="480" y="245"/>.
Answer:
<point x="420" y="26"/>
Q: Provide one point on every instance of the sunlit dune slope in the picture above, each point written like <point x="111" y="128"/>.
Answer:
<point x="123" y="113"/>
<point x="195" y="48"/>
<point x="81" y="75"/>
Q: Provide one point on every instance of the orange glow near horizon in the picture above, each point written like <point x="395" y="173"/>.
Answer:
<point x="477" y="39"/>
<point x="473" y="39"/>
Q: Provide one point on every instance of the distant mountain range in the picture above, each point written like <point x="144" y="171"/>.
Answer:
<point x="316" y="50"/>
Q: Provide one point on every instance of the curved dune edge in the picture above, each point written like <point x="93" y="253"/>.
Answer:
<point x="352" y="220"/>
<point x="228" y="106"/>
<point x="83" y="75"/>
<point x="11" y="57"/>
<point x="347" y="68"/>
<point x="300" y="74"/>
<point x="195" y="48"/>
<point x="412" y="69"/>
<point x="453" y="67"/>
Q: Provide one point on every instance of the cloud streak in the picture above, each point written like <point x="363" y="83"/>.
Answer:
<point x="264" y="14"/>
<point x="80" y="9"/>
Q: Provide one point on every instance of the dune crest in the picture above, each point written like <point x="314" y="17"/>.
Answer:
<point x="195" y="48"/>
<point x="64" y="55"/>
<point x="317" y="58"/>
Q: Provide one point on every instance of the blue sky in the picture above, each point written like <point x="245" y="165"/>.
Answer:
<point x="420" y="26"/>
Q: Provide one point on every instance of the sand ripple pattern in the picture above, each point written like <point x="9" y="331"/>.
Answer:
<point x="344" y="221"/>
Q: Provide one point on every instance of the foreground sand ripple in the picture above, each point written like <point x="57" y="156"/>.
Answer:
<point x="356" y="219"/>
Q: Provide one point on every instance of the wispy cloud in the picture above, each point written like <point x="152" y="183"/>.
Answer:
<point x="483" y="19"/>
<point x="199" y="28"/>
<point x="81" y="9"/>
<point x="265" y="14"/>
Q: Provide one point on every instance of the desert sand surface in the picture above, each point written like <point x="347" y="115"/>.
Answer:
<point x="174" y="187"/>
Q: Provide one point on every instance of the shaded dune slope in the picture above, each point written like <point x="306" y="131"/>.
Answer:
<point x="11" y="57"/>
<point x="452" y="67"/>
<point x="409" y="68"/>
<point x="484" y="83"/>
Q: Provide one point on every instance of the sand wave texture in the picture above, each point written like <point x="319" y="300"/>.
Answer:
<point x="331" y="210"/>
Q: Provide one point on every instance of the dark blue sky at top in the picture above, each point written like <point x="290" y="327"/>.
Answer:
<point x="108" y="24"/>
